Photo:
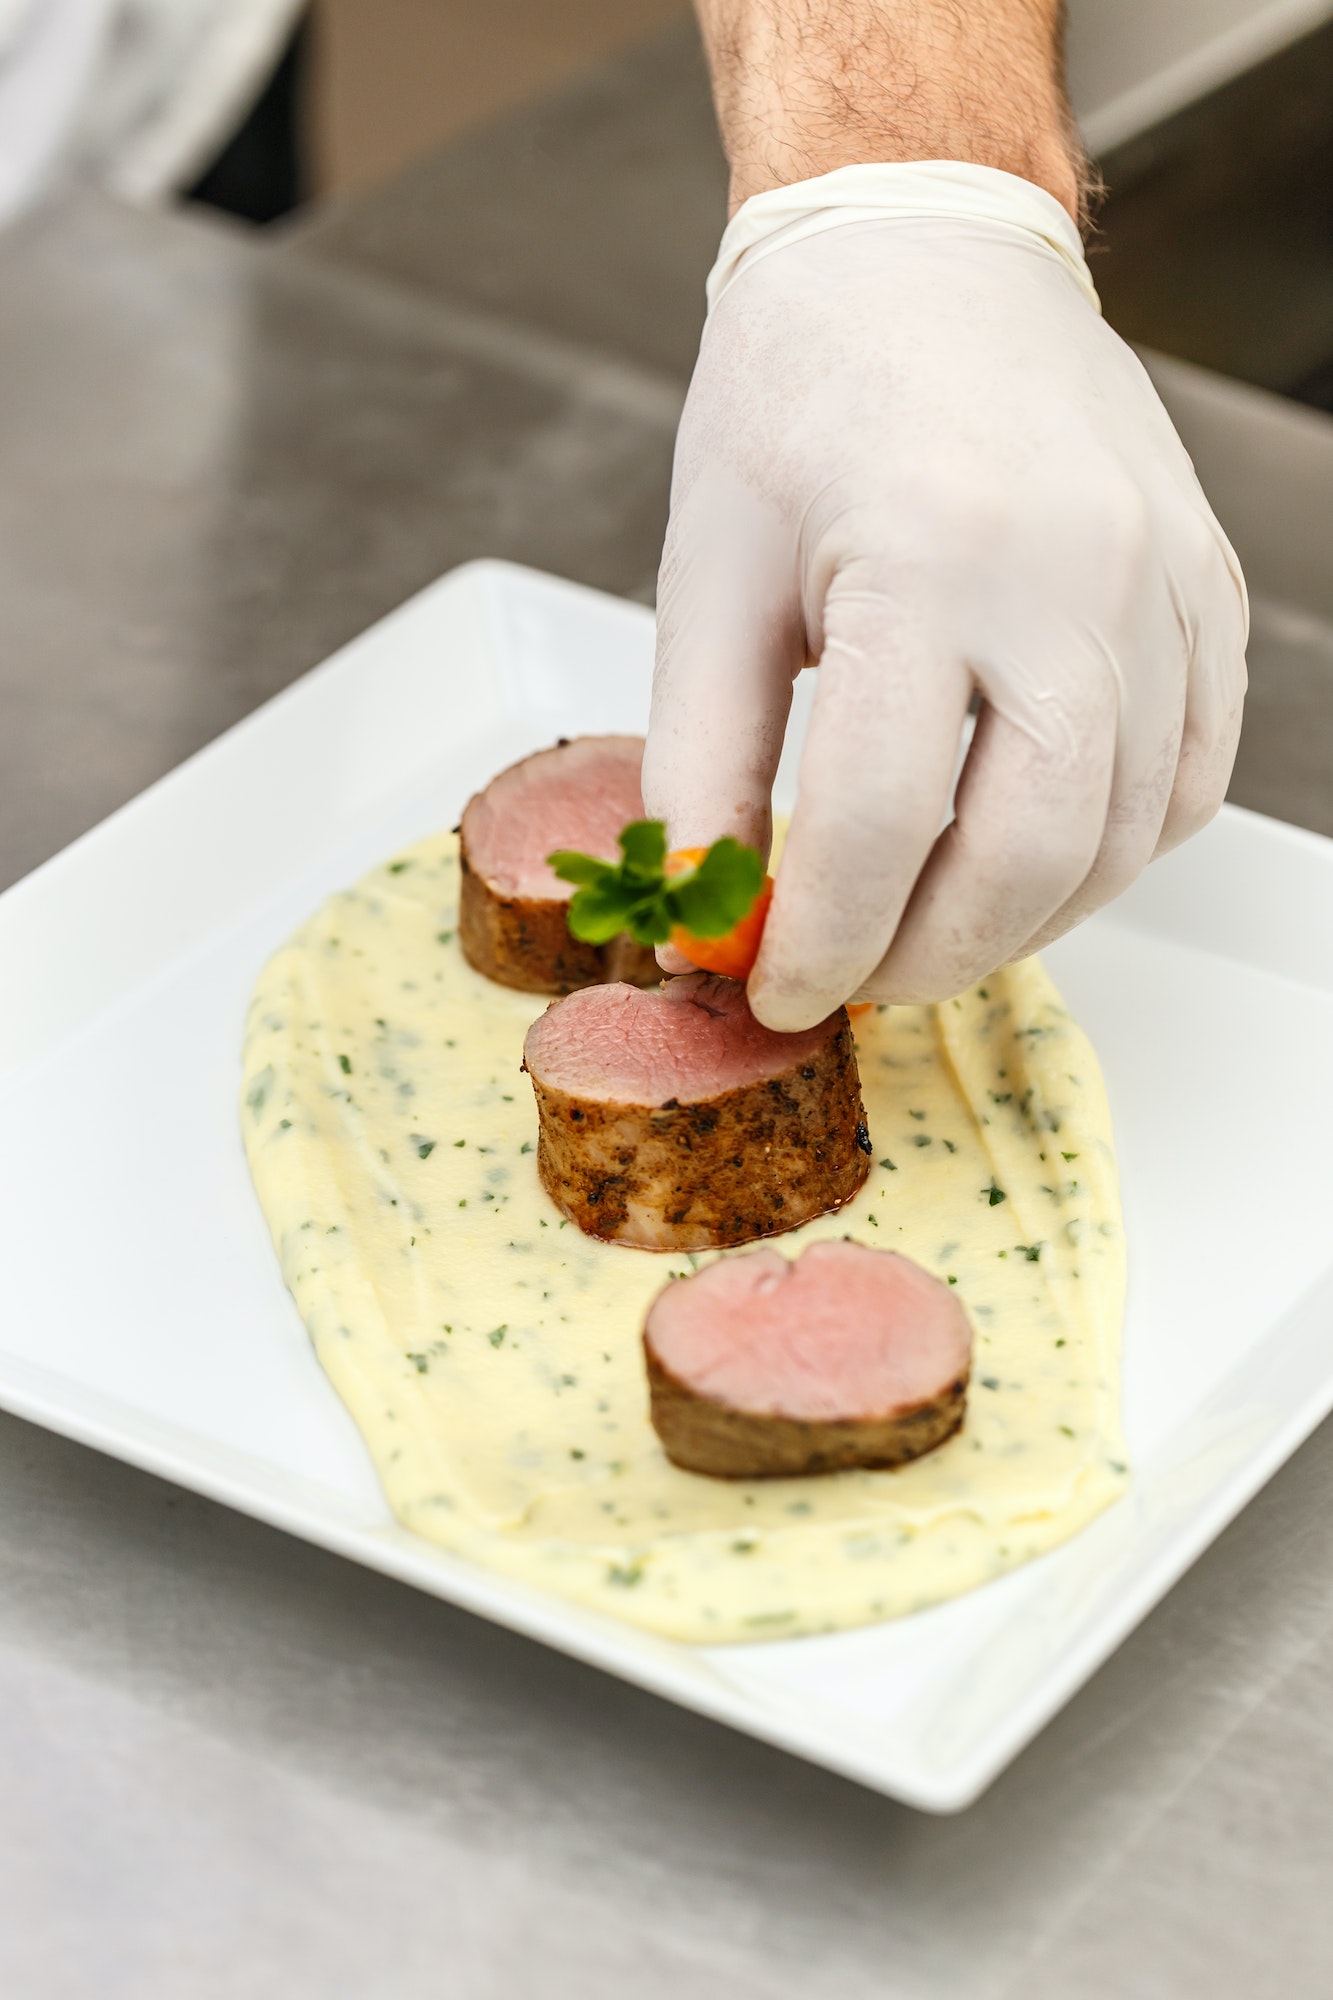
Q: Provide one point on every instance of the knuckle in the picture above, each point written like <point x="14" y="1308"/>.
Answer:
<point x="1112" y="513"/>
<point x="1038" y="863"/>
<point x="1200" y="788"/>
<point x="1198" y="556"/>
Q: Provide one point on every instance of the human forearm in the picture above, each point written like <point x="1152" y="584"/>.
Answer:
<point x="805" y="86"/>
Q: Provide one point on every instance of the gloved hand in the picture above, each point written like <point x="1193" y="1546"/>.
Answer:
<point x="914" y="453"/>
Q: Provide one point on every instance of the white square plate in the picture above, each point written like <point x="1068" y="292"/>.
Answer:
<point x="141" y="1309"/>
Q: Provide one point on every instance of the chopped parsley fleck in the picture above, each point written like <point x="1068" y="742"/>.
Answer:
<point x="444" y="937"/>
<point x="345" y="1065"/>
<point x="889" y="1164"/>
<point x="421" y="1362"/>
<point x="1064" y="1430"/>
<point x="625" y="1575"/>
<point x="397" y="867"/>
<point x="994" y="1195"/>
<point x="574" y="1452"/>
<point x="526" y="1147"/>
<point x="1068" y="1156"/>
<point x="916" y="1114"/>
<point x="425" y="1147"/>
<point x="921" y="1139"/>
<point x="951" y="1281"/>
<point x="950" y="1144"/>
<point x="497" y="1334"/>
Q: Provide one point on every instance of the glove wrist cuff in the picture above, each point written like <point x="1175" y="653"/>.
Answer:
<point x="902" y="190"/>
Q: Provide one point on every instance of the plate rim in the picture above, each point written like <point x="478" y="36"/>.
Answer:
<point x="122" y="1430"/>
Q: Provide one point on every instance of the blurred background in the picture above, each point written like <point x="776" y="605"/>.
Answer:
<point x="1215" y="241"/>
<point x="303" y="304"/>
<point x="1214" y="131"/>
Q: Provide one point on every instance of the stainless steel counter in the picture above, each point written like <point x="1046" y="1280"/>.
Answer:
<point x="235" y="1766"/>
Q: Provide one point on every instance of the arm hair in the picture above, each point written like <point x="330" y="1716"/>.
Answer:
<point x="804" y="86"/>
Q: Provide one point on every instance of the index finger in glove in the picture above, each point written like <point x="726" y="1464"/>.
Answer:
<point x="730" y="644"/>
<point x="874" y="783"/>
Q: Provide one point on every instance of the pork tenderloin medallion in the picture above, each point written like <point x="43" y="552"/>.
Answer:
<point x="765" y="1367"/>
<point x="512" y="911"/>
<point x="674" y="1121"/>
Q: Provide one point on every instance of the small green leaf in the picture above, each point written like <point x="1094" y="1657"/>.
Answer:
<point x="721" y="890"/>
<point x="643" y="850"/>
<point x="604" y="909"/>
<point x="637" y="896"/>
<point x="649" y="921"/>
<point x="994" y="1195"/>
<point x="582" y="869"/>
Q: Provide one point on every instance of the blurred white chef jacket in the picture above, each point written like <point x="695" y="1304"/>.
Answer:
<point x="138" y="96"/>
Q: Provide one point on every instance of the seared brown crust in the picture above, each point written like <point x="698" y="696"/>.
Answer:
<point x="524" y="941"/>
<point x="751" y="1162"/>
<point x="700" y="1435"/>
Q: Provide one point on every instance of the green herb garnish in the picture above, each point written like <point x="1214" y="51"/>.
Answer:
<point x="637" y="895"/>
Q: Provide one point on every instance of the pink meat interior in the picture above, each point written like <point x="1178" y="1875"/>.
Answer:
<point x="690" y="1040"/>
<point x="839" y="1332"/>
<point x="578" y="795"/>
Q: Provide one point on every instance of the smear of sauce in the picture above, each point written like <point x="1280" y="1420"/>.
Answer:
<point x="490" y="1353"/>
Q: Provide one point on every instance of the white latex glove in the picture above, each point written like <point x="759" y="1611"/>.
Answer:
<point x="914" y="453"/>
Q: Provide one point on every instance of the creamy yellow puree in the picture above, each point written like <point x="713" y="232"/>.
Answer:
<point x="490" y="1353"/>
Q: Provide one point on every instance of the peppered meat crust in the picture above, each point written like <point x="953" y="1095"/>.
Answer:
<point x="750" y="1162"/>
<point x="524" y="941"/>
